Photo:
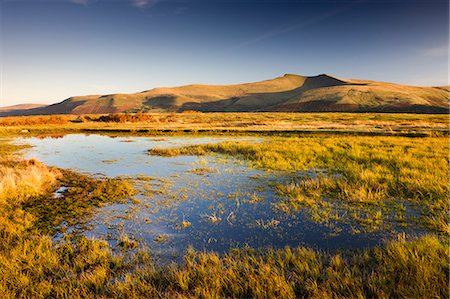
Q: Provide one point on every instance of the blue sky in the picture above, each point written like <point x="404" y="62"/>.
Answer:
<point x="51" y="50"/>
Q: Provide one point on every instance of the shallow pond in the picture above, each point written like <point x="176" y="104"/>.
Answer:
<point x="211" y="203"/>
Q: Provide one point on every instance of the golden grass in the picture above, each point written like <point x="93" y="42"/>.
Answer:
<point x="35" y="120"/>
<point x="364" y="123"/>
<point x="24" y="180"/>
<point x="370" y="171"/>
<point x="367" y="170"/>
<point x="123" y="118"/>
<point x="34" y="266"/>
<point x="396" y="166"/>
<point x="81" y="268"/>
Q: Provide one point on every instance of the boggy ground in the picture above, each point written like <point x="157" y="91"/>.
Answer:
<point x="256" y="122"/>
<point x="359" y="170"/>
<point x="374" y="179"/>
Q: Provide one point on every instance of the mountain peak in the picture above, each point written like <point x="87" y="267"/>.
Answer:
<point x="290" y="92"/>
<point x="291" y="75"/>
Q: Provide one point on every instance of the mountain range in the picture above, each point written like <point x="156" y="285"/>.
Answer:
<point x="295" y="93"/>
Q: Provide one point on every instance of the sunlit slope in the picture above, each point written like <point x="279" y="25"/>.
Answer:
<point x="360" y="95"/>
<point x="286" y="93"/>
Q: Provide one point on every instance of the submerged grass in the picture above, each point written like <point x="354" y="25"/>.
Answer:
<point x="83" y="195"/>
<point x="357" y="170"/>
<point x="26" y="190"/>
<point x="81" y="268"/>
<point x="34" y="266"/>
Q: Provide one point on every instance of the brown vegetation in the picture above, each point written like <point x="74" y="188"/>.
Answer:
<point x="363" y="123"/>
<point x="34" y="266"/>
<point x="291" y="93"/>
<point x="124" y="118"/>
<point x="34" y="120"/>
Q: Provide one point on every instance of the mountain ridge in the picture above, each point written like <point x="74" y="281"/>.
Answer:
<point x="290" y="92"/>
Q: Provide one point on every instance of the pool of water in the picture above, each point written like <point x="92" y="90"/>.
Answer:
<point x="209" y="203"/>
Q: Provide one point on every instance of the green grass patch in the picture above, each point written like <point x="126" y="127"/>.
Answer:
<point x="83" y="195"/>
<point x="358" y="171"/>
<point x="33" y="266"/>
<point x="85" y="268"/>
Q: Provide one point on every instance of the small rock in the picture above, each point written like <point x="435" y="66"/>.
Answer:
<point x="60" y="192"/>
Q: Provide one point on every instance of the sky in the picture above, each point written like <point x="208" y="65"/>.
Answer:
<point x="51" y="50"/>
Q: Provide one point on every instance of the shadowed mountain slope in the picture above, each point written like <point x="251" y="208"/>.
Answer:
<point x="287" y="93"/>
<point x="20" y="107"/>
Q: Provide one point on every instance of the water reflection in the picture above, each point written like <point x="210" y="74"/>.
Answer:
<point x="211" y="203"/>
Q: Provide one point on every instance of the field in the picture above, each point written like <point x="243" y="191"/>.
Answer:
<point x="379" y="178"/>
<point x="363" y="123"/>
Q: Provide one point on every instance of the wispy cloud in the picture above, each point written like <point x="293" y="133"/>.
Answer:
<point x="81" y="2"/>
<point x="144" y="3"/>
<point x="436" y="51"/>
<point x="180" y="10"/>
<point x="288" y="28"/>
<point x="135" y="3"/>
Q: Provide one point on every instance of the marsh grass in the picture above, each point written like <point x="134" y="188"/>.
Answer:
<point x="20" y="181"/>
<point x="225" y="123"/>
<point x="8" y="149"/>
<point x="121" y="118"/>
<point x="356" y="171"/>
<point x="34" y="266"/>
<point x="203" y="170"/>
<point x="80" y="268"/>
<point x="35" y="120"/>
<point x="84" y="194"/>
<point x="125" y="242"/>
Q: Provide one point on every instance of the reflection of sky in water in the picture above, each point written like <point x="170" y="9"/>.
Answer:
<point x="239" y="198"/>
<point x="113" y="156"/>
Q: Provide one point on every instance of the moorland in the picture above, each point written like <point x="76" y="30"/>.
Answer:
<point x="288" y="93"/>
<point x="365" y="173"/>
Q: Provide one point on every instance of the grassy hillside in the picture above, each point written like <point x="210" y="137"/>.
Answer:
<point x="20" y="107"/>
<point x="294" y="93"/>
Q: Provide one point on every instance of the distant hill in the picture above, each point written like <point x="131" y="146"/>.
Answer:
<point x="20" y="107"/>
<point x="294" y="93"/>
